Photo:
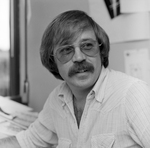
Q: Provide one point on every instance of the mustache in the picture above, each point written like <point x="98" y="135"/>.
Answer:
<point x="77" y="67"/>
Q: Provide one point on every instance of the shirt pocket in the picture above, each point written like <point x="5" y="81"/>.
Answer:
<point x="103" y="141"/>
<point x="64" y="143"/>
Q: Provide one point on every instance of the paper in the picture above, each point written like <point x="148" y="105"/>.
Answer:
<point x="123" y="28"/>
<point x="10" y="106"/>
<point x="9" y="128"/>
<point x="24" y="116"/>
<point x="137" y="64"/>
<point x="133" y="6"/>
<point x="21" y="122"/>
<point x="2" y="135"/>
<point x="7" y="116"/>
<point x="2" y="119"/>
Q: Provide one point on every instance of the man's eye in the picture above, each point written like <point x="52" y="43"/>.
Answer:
<point x="87" y="46"/>
<point x="65" y="50"/>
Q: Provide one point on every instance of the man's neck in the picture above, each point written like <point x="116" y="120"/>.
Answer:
<point x="78" y="108"/>
<point x="80" y="94"/>
<point x="79" y="100"/>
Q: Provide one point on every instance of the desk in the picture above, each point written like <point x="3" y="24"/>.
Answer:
<point x="23" y="117"/>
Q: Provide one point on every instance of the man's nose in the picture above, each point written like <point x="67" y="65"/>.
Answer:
<point x="78" y="55"/>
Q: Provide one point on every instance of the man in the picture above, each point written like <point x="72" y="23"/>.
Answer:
<point x="94" y="106"/>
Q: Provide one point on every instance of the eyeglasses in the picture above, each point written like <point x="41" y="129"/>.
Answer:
<point x="65" y="53"/>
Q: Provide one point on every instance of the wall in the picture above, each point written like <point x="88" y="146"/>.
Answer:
<point x="43" y="11"/>
<point x="41" y="81"/>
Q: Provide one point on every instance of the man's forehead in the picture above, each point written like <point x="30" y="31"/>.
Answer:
<point x="76" y="38"/>
<point x="85" y="35"/>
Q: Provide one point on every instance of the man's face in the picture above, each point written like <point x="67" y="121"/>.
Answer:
<point x="81" y="71"/>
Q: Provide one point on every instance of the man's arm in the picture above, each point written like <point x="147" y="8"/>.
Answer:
<point x="9" y="142"/>
<point x="138" y="113"/>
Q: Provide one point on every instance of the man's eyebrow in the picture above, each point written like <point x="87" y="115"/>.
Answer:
<point x="88" y="39"/>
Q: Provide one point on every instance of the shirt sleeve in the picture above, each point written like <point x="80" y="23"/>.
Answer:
<point x="41" y="133"/>
<point x="138" y="112"/>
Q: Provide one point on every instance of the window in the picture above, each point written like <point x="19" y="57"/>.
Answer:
<point x="9" y="48"/>
<point x="4" y="47"/>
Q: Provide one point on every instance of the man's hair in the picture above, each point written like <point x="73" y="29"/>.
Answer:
<point x="65" y="29"/>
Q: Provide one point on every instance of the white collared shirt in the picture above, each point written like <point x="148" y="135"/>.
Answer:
<point x="116" y="115"/>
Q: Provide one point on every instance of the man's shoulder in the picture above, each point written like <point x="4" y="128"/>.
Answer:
<point x="119" y="77"/>
<point x="121" y="81"/>
<point x="119" y="84"/>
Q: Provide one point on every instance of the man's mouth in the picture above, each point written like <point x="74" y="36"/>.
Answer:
<point x="79" y="71"/>
<point x="82" y="71"/>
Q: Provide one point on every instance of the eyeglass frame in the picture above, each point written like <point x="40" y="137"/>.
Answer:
<point x="74" y="46"/>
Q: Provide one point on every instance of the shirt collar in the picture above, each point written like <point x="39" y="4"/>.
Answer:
<point x="65" y="94"/>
